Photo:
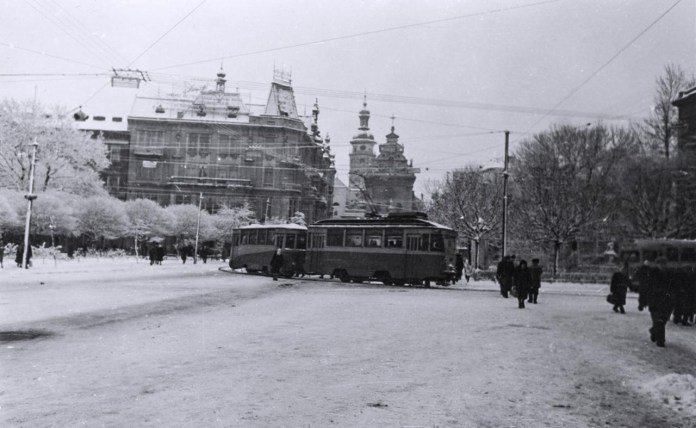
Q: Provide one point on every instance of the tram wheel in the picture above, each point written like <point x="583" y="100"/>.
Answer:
<point x="343" y="276"/>
<point x="399" y="282"/>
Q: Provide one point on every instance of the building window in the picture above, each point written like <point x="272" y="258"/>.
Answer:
<point x="198" y="145"/>
<point x="150" y="138"/>
<point x="115" y="154"/>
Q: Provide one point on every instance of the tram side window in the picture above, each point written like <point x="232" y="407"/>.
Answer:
<point x="252" y="237"/>
<point x="630" y="256"/>
<point x="235" y="240"/>
<point x="317" y="241"/>
<point x="688" y="254"/>
<point x="245" y="237"/>
<point x="262" y="237"/>
<point x="650" y="255"/>
<point x="424" y="242"/>
<point x="374" y="239"/>
<point x="395" y="238"/>
<point x="301" y="241"/>
<point x="672" y="254"/>
<point x="354" y="238"/>
<point x="334" y="238"/>
<point x="437" y="243"/>
<point x="270" y="237"/>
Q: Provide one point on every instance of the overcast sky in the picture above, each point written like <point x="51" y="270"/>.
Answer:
<point x="454" y="73"/>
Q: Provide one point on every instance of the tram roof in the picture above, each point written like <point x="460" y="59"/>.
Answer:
<point x="381" y="221"/>
<point x="288" y="226"/>
<point x="663" y="241"/>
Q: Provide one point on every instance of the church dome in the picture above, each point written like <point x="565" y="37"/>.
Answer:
<point x="364" y="136"/>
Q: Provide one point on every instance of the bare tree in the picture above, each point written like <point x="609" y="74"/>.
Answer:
<point x="660" y="128"/>
<point x="649" y="199"/>
<point x="563" y="177"/>
<point x="67" y="159"/>
<point x="469" y="201"/>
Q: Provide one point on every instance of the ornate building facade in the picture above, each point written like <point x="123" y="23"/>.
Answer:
<point x="380" y="183"/>
<point x="224" y="151"/>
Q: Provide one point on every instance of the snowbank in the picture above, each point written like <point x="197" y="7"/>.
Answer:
<point x="677" y="391"/>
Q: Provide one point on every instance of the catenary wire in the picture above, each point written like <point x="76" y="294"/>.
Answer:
<point x="364" y="33"/>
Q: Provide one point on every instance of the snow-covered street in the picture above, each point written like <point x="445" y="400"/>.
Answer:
<point x="129" y="344"/>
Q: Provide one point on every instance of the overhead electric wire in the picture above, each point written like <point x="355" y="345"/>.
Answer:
<point x="43" y="53"/>
<point x="167" y="32"/>
<point x="99" y="42"/>
<point x="402" y="99"/>
<point x="61" y="26"/>
<point x="603" y="66"/>
<point x="364" y="33"/>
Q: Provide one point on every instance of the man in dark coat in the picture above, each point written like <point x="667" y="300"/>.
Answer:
<point x="522" y="281"/>
<point x="459" y="267"/>
<point x="660" y="300"/>
<point x="504" y="273"/>
<point x="184" y="253"/>
<point x="535" y="272"/>
<point x="204" y="254"/>
<point x="276" y="264"/>
<point x="2" y="252"/>
<point x="152" y="254"/>
<point x="160" y="254"/>
<point x="20" y="255"/>
<point x="618" y="289"/>
<point x="644" y="278"/>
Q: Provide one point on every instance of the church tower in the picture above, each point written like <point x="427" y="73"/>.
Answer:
<point x="362" y="154"/>
<point x="390" y="182"/>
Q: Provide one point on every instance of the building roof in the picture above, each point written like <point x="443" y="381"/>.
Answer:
<point x="688" y="96"/>
<point x="281" y="100"/>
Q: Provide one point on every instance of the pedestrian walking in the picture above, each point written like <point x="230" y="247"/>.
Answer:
<point x="159" y="254"/>
<point x="152" y="253"/>
<point x="504" y="273"/>
<point x="535" y="272"/>
<point x="2" y="253"/>
<point x="20" y="255"/>
<point x="618" y="288"/>
<point x="468" y="270"/>
<point x="183" y="253"/>
<point x="459" y="267"/>
<point x="522" y="281"/>
<point x="204" y="254"/>
<point x="660" y="300"/>
<point x="276" y="263"/>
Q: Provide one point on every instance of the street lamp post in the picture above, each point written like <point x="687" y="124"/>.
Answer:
<point x="198" y="228"/>
<point x="30" y="198"/>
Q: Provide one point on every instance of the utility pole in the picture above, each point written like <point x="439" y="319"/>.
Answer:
<point x="505" y="195"/>
<point x="198" y="228"/>
<point x="29" y="197"/>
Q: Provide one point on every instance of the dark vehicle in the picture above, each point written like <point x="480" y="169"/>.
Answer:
<point x="680" y="255"/>
<point x="253" y="247"/>
<point x="402" y="248"/>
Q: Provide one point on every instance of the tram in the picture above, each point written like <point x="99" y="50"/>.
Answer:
<point x="679" y="255"/>
<point x="401" y="248"/>
<point x="253" y="247"/>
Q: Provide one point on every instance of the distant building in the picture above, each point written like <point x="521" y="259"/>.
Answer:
<point x="686" y="151"/>
<point x="230" y="152"/>
<point x="113" y="131"/>
<point x="381" y="183"/>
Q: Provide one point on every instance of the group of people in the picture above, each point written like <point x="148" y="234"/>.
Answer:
<point x="464" y="267"/>
<point x="187" y="250"/>
<point x="666" y="292"/>
<point x="156" y="254"/>
<point x="519" y="280"/>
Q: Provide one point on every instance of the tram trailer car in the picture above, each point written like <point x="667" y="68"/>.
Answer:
<point x="398" y="249"/>
<point x="253" y="247"/>
<point x="679" y="255"/>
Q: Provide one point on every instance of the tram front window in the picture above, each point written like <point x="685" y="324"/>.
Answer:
<point x="437" y="243"/>
<point x="290" y="241"/>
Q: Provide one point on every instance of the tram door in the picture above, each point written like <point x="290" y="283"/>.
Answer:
<point x="411" y="256"/>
